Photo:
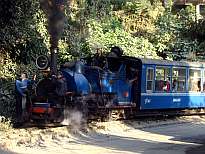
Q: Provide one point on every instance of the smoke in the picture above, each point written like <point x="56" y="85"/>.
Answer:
<point x="74" y="119"/>
<point x="54" y="10"/>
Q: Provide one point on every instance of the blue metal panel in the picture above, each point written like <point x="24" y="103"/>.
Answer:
<point x="93" y="77"/>
<point x="117" y="83"/>
<point x="109" y="82"/>
<point x="123" y="92"/>
<point x="172" y="100"/>
<point x="76" y="82"/>
<point x="40" y="104"/>
<point x="143" y="79"/>
<point x="82" y="84"/>
<point x="69" y="76"/>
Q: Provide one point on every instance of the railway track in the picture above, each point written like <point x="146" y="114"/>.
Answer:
<point x="118" y="114"/>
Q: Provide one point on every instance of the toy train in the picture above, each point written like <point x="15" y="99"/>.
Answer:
<point x="119" y="83"/>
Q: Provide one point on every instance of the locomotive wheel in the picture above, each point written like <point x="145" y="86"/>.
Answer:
<point x="58" y="115"/>
<point x="40" y="121"/>
<point x="106" y="115"/>
<point x="92" y="109"/>
<point x="81" y="105"/>
<point x="128" y="113"/>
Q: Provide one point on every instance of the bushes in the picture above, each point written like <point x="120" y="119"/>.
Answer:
<point x="7" y="98"/>
<point x="132" y="46"/>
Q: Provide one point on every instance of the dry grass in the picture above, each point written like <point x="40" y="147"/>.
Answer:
<point x="5" y="124"/>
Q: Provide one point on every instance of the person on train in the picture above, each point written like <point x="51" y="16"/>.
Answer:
<point x="133" y="80"/>
<point x="199" y="85"/>
<point x="167" y="86"/>
<point x="203" y="87"/>
<point x="195" y="86"/>
<point x="61" y="86"/>
<point x="98" y="59"/>
<point x="21" y="96"/>
<point x="174" y="85"/>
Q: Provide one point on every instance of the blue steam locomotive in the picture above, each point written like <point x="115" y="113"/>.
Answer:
<point x="120" y="83"/>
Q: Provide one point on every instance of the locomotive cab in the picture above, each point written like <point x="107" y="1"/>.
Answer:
<point x="128" y="79"/>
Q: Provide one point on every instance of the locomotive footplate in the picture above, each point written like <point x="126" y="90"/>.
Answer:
<point x="46" y="111"/>
<point x="132" y="105"/>
<point x="41" y="108"/>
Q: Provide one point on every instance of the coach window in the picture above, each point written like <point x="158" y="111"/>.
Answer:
<point x="162" y="81"/>
<point x="194" y="80"/>
<point x="150" y="78"/>
<point x="179" y="79"/>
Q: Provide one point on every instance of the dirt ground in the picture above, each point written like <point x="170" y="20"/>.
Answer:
<point x="178" y="136"/>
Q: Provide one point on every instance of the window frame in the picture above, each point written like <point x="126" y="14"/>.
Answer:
<point x="186" y="79"/>
<point x="201" y="84"/>
<point x="153" y="71"/>
<point x="169" y="76"/>
<point x="203" y="80"/>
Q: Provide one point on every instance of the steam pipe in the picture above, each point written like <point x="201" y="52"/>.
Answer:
<point x="54" y="57"/>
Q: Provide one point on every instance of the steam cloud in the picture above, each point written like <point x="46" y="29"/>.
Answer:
<point x="74" y="119"/>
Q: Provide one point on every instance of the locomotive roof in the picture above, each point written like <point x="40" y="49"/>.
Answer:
<point x="167" y="62"/>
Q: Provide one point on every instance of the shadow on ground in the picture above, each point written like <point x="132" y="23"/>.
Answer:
<point x="2" y="151"/>
<point x="160" y="137"/>
<point x="180" y="137"/>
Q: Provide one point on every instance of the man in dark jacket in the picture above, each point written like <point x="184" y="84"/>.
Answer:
<point x="21" y="96"/>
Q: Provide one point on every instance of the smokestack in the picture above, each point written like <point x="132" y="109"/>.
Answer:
<point x="54" y="10"/>
<point x="54" y="58"/>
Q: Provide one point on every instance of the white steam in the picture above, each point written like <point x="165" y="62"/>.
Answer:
<point x="73" y="119"/>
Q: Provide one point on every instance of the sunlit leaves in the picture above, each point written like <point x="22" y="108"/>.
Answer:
<point x="132" y="46"/>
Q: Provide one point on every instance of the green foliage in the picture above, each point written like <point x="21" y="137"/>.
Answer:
<point x="132" y="46"/>
<point x="182" y="48"/>
<point x="137" y="7"/>
<point x="173" y="38"/>
<point x="7" y="98"/>
<point x="7" y="67"/>
<point x="19" y="29"/>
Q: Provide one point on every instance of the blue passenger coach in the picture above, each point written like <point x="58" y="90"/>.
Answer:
<point x="172" y="85"/>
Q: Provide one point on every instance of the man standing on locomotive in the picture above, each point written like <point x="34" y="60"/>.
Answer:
<point x="59" y="94"/>
<point x="21" y="96"/>
<point x="133" y="80"/>
<point x="61" y="87"/>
